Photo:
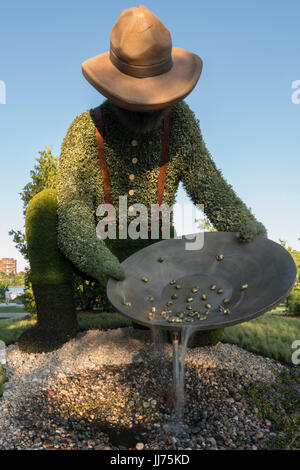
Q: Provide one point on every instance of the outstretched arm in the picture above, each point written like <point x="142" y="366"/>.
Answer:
<point x="76" y="212"/>
<point x="206" y="185"/>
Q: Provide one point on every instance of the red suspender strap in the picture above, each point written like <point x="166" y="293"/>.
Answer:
<point x="164" y="158"/>
<point x="103" y="164"/>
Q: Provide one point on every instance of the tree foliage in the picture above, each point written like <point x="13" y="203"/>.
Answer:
<point x="88" y="294"/>
<point x="205" y="225"/>
<point x="43" y="176"/>
<point x="3" y="289"/>
<point x="296" y="257"/>
<point x="13" y="279"/>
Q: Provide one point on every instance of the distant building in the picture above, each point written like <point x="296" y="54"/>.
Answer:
<point x="8" y="265"/>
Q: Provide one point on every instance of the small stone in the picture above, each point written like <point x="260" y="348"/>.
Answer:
<point x="212" y="441"/>
<point x="196" y="430"/>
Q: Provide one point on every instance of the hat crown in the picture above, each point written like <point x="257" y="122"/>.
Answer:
<point x="139" y="38"/>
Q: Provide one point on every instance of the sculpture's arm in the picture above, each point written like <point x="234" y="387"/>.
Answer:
<point x="76" y="212"/>
<point x="206" y="185"/>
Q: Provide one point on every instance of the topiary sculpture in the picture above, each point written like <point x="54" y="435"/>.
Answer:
<point x="147" y="143"/>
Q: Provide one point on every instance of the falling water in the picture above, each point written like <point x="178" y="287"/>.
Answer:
<point x="176" y="426"/>
<point x="179" y="388"/>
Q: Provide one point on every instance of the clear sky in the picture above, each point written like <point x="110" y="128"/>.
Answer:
<point x="250" y="51"/>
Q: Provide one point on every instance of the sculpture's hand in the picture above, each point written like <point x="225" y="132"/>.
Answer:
<point x="250" y="229"/>
<point x="109" y="266"/>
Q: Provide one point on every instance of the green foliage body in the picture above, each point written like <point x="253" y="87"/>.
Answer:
<point x="80" y="185"/>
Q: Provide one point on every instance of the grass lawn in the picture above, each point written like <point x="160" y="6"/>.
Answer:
<point x="12" y="309"/>
<point x="268" y="335"/>
<point x="11" y="329"/>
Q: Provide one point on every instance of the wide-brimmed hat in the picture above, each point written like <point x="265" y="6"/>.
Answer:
<point x="142" y="71"/>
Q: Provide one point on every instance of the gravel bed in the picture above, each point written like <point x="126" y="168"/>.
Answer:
<point x="112" y="390"/>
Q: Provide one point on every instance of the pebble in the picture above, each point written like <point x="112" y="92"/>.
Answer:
<point x="54" y="400"/>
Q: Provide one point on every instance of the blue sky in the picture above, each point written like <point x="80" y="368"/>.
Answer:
<point x="250" y="51"/>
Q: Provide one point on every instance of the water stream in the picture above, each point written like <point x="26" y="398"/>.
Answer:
<point x="179" y="404"/>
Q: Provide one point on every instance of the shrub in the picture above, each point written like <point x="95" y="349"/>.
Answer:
<point x="3" y="289"/>
<point x="90" y="295"/>
<point x="267" y="335"/>
<point x="48" y="265"/>
<point x="102" y="321"/>
<point x="51" y="276"/>
<point x="2" y="379"/>
<point x="206" y="338"/>
<point x="293" y="302"/>
<point x="28" y="300"/>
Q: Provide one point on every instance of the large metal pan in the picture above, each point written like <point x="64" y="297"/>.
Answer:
<point x="265" y="266"/>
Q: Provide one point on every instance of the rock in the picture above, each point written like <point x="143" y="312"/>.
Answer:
<point x="212" y="441"/>
<point x="93" y="380"/>
<point x="196" y="430"/>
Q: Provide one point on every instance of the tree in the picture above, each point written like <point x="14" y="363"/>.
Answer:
<point x="43" y="176"/>
<point x="12" y="279"/>
<point x="205" y="224"/>
<point x="3" y="289"/>
<point x="88" y="294"/>
<point x="296" y="257"/>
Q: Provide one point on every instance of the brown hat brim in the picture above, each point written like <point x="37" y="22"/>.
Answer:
<point x="144" y="94"/>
